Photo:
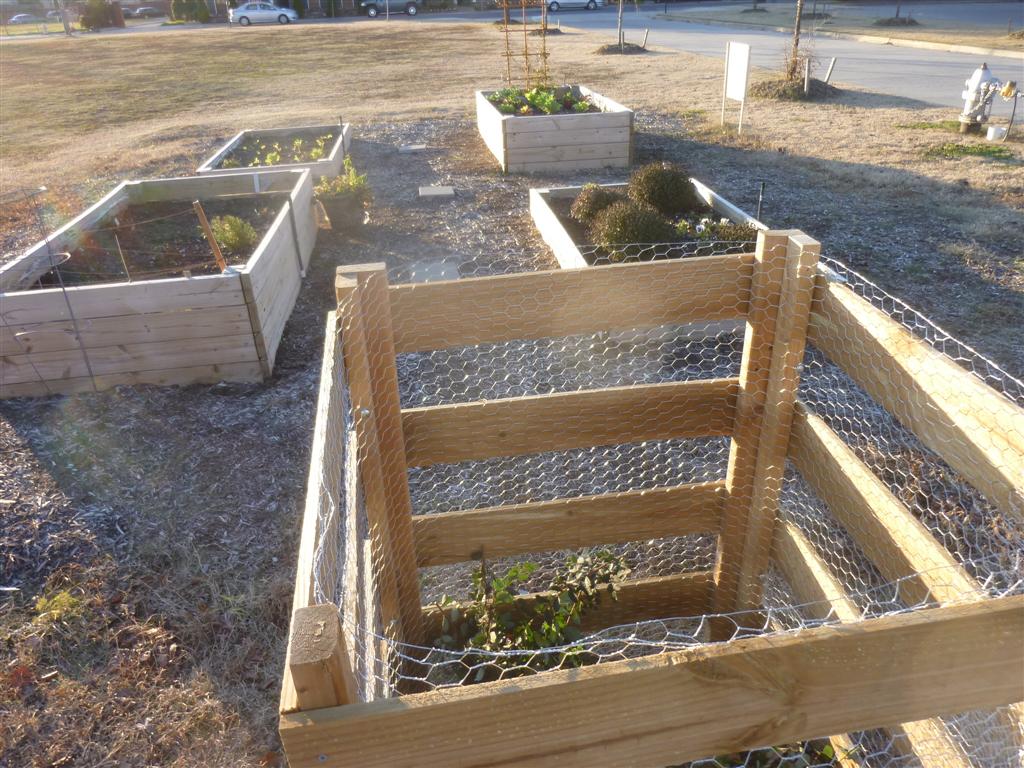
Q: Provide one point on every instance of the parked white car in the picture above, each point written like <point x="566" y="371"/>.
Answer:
<point x="589" y="5"/>
<point x="261" y="13"/>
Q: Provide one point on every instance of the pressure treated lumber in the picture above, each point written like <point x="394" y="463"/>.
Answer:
<point x="822" y="596"/>
<point x="546" y="526"/>
<point x="317" y="660"/>
<point x="533" y="305"/>
<point x="669" y="708"/>
<point x="523" y="425"/>
<point x="743" y="590"/>
<point x="372" y="281"/>
<point x="893" y="539"/>
<point x="656" y="597"/>
<point x="973" y="428"/>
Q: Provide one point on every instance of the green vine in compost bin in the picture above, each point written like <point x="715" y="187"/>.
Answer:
<point x="497" y="618"/>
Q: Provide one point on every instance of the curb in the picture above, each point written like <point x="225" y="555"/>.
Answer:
<point x="875" y="39"/>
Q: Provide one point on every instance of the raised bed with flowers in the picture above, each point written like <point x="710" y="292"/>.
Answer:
<point x="661" y="213"/>
<point x="133" y="291"/>
<point x="554" y="129"/>
<point x="319" y="148"/>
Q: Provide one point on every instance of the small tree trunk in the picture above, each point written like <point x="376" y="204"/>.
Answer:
<point x="622" y="47"/>
<point x="793" y="66"/>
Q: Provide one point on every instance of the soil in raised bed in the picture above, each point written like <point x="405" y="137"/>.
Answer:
<point x="595" y="254"/>
<point x="150" y="241"/>
<point x="303" y="145"/>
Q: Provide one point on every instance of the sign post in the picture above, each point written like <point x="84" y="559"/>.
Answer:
<point x="737" y="73"/>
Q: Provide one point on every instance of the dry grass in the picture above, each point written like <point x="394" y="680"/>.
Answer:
<point x="137" y="509"/>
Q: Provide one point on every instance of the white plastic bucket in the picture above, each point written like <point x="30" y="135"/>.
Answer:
<point x="995" y="133"/>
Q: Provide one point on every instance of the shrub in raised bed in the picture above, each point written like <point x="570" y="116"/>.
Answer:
<point x="234" y="235"/>
<point x="345" y="198"/>
<point x="630" y="222"/>
<point x="666" y="188"/>
<point x="591" y="200"/>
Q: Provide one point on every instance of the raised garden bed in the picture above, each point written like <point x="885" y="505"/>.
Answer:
<point x="129" y="292"/>
<point x="570" y="244"/>
<point x="319" y="148"/>
<point x="558" y="142"/>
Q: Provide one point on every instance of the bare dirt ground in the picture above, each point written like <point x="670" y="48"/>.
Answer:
<point x="159" y="526"/>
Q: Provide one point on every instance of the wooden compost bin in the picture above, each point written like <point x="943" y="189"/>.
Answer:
<point x="850" y="674"/>
<point x="567" y="251"/>
<point x="182" y="330"/>
<point x="329" y="166"/>
<point x="544" y="143"/>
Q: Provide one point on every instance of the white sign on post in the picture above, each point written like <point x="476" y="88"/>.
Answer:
<point x="737" y="72"/>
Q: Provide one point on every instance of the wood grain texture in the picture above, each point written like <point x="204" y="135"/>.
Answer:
<point x="670" y="708"/>
<point x="546" y="526"/>
<point x="972" y="427"/>
<point x="534" y="305"/>
<point x="540" y="423"/>
<point x="317" y="660"/>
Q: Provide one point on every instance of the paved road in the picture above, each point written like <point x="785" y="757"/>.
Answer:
<point x="932" y="77"/>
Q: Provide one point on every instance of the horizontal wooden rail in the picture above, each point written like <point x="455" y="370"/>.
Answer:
<point x="669" y="708"/>
<point x="564" y="302"/>
<point x="657" y="597"/>
<point x="546" y="526"/>
<point x="522" y="425"/>
<point x="973" y="428"/>
<point x="814" y="585"/>
<point x="888" y="533"/>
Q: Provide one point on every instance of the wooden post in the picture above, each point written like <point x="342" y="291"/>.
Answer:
<point x="375" y="301"/>
<point x="317" y="659"/>
<point x="208" y="231"/>
<point x="807" y="76"/>
<point x="783" y="285"/>
<point x="831" y="66"/>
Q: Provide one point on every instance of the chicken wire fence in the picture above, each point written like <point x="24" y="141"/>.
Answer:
<point x="459" y="473"/>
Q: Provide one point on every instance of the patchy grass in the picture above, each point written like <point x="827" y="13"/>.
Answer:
<point x="953" y="150"/>
<point x="933" y="125"/>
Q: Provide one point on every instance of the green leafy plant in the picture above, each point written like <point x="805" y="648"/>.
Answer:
<point x="627" y="222"/>
<point x="349" y="184"/>
<point x="667" y="188"/>
<point x="543" y="100"/>
<point x="498" y="618"/>
<point x="591" y="200"/>
<point x="234" y="235"/>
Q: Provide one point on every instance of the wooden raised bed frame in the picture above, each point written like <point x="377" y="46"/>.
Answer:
<point x="569" y="142"/>
<point x="898" y="672"/>
<point x="329" y="166"/>
<point x="566" y="250"/>
<point x="185" y="330"/>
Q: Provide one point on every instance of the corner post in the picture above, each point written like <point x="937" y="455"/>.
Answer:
<point x="318" y="660"/>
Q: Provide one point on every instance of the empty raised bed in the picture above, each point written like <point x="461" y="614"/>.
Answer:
<point x="573" y="247"/>
<point x="558" y="142"/>
<point x="484" y="446"/>
<point x="131" y="292"/>
<point x="319" y="148"/>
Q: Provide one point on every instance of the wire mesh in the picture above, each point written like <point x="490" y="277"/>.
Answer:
<point x="468" y="461"/>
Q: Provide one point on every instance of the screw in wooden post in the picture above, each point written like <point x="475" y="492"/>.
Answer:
<point x="208" y="231"/>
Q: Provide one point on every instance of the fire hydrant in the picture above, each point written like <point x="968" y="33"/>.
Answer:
<point x="982" y="86"/>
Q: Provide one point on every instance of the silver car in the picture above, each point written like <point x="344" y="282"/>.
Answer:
<point x="589" y="5"/>
<point x="261" y="13"/>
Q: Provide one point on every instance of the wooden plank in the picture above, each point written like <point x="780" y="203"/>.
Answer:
<point x="568" y="152"/>
<point x="534" y="305"/>
<point x="372" y="280"/>
<point x="973" y="428"/>
<point x="559" y="123"/>
<point x="891" y="537"/>
<point x="653" y="598"/>
<point x="668" y="708"/>
<point x="765" y="299"/>
<point x="539" y="423"/>
<point x="110" y="300"/>
<point x="545" y="526"/>
<point x="823" y="596"/>
<point x="57" y="336"/>
<point x="317" y="659"/>
<point x="569" y="165"/>
<point x="159" y="355"/>
<point x="787" y="356"/>
<point x="616" y="135"/>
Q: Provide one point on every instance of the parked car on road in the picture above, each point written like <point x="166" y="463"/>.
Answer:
<point x="589" y="5"/>
<point x="261" y="13"/>
<point x="25" y="18"/>
<point x="374" y="8"/>
<point x="147" y="12"/>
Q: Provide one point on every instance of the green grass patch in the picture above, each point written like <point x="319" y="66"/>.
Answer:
<point x="951" y="150"/>
<point x="938" y="125"/>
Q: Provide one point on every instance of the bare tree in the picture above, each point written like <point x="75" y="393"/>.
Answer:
<point x="793" y="64"/>
<point x="622" y="44"/>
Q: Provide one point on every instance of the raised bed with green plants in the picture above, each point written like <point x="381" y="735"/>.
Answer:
<point x="560" y="128"/>
<point x="319" y="148"/>
<point x="660" y="213"/>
